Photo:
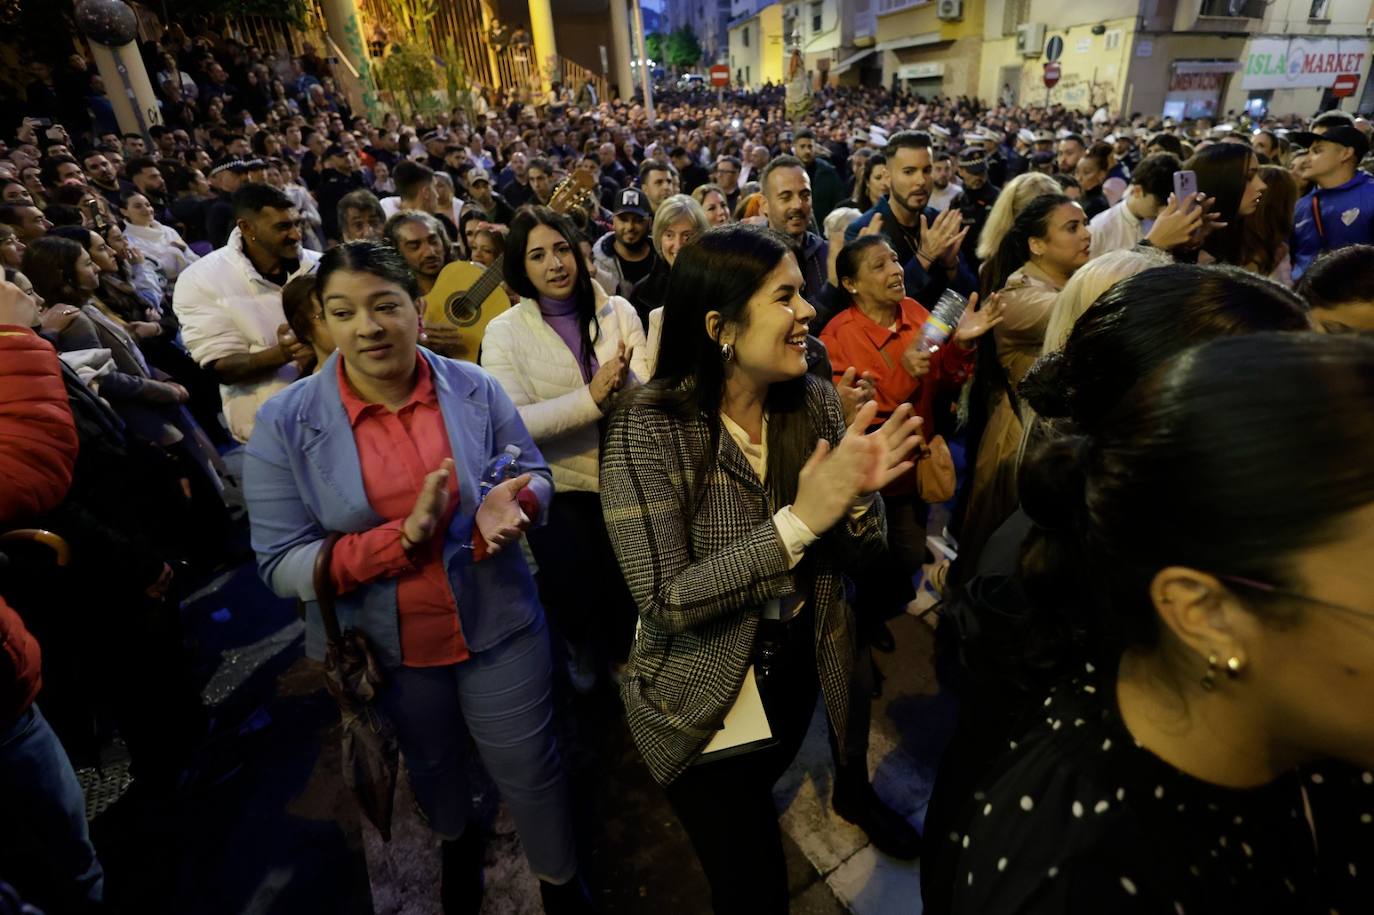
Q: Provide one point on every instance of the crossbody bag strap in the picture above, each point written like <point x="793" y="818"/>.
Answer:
<point x="325" y="592"/>
<point x="1317" y="219"/>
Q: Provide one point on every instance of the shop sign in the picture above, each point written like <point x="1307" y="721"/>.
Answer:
<point x="932" y="70"/>
<point x="1298" y="63"/>
<point x="1196" y="82"/>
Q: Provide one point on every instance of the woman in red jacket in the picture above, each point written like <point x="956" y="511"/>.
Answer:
<point x="879" y="337"/>
<point x="45" y="849"/>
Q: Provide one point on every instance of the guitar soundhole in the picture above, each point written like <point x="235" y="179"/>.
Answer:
<point x="461" y="310"/>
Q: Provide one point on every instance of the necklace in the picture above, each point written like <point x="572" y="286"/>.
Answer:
<point x="911" y="236"/>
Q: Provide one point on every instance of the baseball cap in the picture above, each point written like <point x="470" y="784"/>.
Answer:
<point x="1044" y="135"/>
<point x="631" y="200"/>
<point x="1346" y="136"/>
<point x="477" y="174"/>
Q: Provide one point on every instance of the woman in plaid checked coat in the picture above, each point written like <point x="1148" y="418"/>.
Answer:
<point x="736" y="498"/>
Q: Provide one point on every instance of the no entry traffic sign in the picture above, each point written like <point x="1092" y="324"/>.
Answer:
<point x="1345" y="85"/>
<point x="1052" y="74"/>
<point x="720" y="75"/>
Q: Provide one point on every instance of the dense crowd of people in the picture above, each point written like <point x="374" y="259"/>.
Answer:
<point x="540" y="393"/>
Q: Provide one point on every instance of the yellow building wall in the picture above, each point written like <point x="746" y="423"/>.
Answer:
<point x="958" y="47"/>
<point x="762" y="60"/>
<point x="921" y="20"/>
<point x="770" y="45"/>
<point x="744" y="61"/>
<point x="1091" y="74"/>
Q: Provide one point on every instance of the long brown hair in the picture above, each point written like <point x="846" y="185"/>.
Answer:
<point x="1265" y="232"/>
<point x="50" y="264"/>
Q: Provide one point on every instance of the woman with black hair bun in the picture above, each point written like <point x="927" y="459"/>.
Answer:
<point x="1209" y="757"/>
<point x="1029" y="643"/>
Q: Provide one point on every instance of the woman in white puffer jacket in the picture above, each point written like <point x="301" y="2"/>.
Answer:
<point x="160" y="244"/>
<point x="561" y="354"/>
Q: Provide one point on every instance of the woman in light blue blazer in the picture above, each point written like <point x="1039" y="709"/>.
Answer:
<point x="386" y="445"/>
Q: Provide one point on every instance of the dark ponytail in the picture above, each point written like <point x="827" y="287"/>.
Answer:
<point x="1012" y="254"/>
<point x="1126" y="335"/>
<point x="990" y="381"/>
<point x="1192" y="469"/>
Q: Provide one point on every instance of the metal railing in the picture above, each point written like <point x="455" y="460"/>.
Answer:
<point x="282" y="37"/>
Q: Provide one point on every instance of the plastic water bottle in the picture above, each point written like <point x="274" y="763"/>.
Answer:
<point x="944" y="317"/>
<point x="505" y="466"/>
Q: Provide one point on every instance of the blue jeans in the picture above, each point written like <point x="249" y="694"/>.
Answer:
<point x="45" y="849"/>
<point x="504" y="698"/>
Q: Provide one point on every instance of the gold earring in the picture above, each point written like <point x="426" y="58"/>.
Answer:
<point x="1234" y="665"/>
<point x="1209" y="679"/>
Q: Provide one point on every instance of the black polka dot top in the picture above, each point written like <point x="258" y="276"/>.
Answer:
<point x="1077" y="817"/>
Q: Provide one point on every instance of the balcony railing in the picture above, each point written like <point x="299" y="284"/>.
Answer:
<point x="893" y="6"/>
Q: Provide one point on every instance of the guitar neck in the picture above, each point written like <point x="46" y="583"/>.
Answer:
<point x="477" y="293"/>
<point x="489" y="281"/>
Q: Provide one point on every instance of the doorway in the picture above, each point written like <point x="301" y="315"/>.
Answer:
<point x="1009" y="86"/>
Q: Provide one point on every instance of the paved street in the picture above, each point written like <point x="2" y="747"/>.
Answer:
<point x="283" y="836"/>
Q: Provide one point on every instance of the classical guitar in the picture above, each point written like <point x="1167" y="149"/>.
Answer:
<point x="467" y="295"/>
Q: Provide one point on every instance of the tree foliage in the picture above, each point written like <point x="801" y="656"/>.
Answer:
<point x="409" y="75"/>
<point x="682" y="48"/>
<point x="653" y="46"/>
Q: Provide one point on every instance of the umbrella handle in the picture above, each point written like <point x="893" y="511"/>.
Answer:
<point x="325" y="591"/>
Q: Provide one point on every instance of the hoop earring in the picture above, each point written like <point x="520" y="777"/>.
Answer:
<point x="727" y="352"/>
<point x="1209" y="679"/>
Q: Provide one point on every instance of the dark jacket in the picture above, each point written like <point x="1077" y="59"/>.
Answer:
<point x="1094" y="202"/>
<point x="815" y="252"/>
<point x="693" y="176"/>
<point x="701" y="578"/>
<point x="1352" y="201"/>
<point x="334" y="184"/>
<point x="188" y="217"/>
<point x="975" y="205"/>
<point x="923" y="286"/>
<point x="827" y="189"/>
<point x="219" y="219"/>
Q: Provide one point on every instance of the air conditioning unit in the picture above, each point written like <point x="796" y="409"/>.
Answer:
<point x="949" y="10"/>
<point x="1030" y="39"/>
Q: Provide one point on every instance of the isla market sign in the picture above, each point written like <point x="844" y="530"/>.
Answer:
<point x="1298" y="63"/>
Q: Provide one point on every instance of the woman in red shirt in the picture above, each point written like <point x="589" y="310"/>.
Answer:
<point x="387" y="444"/>
<point x="879" y="337"/>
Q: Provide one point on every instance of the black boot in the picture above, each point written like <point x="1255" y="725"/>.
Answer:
<point x="855" y="801"/>
<point x="569" y="898"/>
<point x="461" y="890"/>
